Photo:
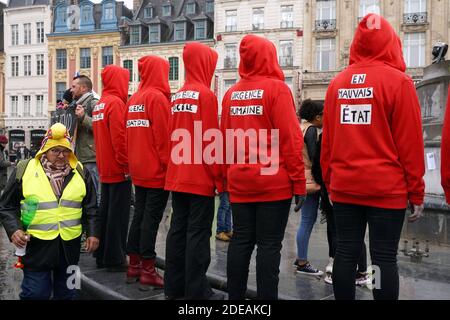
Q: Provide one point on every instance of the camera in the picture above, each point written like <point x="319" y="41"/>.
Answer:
<point x="439" y="51"/>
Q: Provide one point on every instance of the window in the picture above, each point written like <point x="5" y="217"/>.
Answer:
<point x="61" y="17"/>
<point x="414" y="50"/>
<point x="135" y="37"/>
<point x="173" y="71"/>
<point x="231" y="20"/>
<point x="39" y="105"/>
<point x="415" y="6"/>
<point x="61" y="59"/>
<point x="128" y="64"/>
<point x="287" y="16"/>
<point x="154" y="33"/>
<point x="27" y="33"/>
<point x="258" y="18"/>
<point x="40" y="64"/>
<point x="107" y="56"/>
<point x="14" y="106"/>
<point x="14" y="35"/>
<point x="200" y="29"/>
<point x="180" y="31"/>
<point x="87" y="14"/>
<point x="326" y="54"/>
<point x="209" y="6"/>
<point x="109" y="12"/>
<point x="27" y="65"/>
<point x="85" y="58"/>
<point x="148" y="12"/>
<point x="166" y="10"/>
<point x="26" y="106"/>
<point x="60" y="89"/>
<point x="227" y="84"/>
<point x="190" y="8"/>
<point x="230" y="56"/>
<point x="326" y="10"/>
<point x="40" y="32"/>
<point x="368" y="6"/>
<point x="14" y="66"/>
<point x="290" y="83"/>
<point x="286" y="54"/>
<point x="415" y="12"/>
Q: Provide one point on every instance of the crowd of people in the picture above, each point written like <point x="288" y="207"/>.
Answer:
<point x="358" y="158"/>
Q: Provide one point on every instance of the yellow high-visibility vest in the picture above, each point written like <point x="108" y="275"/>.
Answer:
<point x="53" y="217"/>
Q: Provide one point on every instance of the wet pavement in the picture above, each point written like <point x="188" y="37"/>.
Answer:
<point x="429" y="280"/>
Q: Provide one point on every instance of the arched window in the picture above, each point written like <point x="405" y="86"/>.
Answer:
<point x="61" y="18"/>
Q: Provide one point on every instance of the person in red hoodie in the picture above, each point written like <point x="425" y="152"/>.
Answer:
<point x="192" y="181"/>
<point x="261" y="193"/>
<point x="148" y="153"/>
<point x="108" y="119"/>
<point x="372" y="155"/>
<point x="445" y="152"/>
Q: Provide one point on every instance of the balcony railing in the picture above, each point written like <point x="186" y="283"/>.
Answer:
<point x="287" y="24"/>
<point x="325" y="25"/>
<point x="258" y="26"/>
<point x="415" y="18"/>
<point x="230" y="28"/>
<point x="286" y="61"/>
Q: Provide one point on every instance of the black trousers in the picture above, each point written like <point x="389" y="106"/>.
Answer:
<point x="385" y="226"/>
<point x="114" y="217"/>
<point x="332" y="242"/>
<point x="148" y="212"/>
<point x="187" y="247"/>
<point x="262" y="224"/>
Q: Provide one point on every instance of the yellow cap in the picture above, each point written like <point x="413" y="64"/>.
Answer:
<point x="58" y="136"/>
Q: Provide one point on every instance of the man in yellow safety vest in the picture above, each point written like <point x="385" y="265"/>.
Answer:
<point x="63" y="197"/>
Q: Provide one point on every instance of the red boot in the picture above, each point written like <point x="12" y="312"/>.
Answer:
<point x="134" y="268"/>
<point x="149" y="276"/>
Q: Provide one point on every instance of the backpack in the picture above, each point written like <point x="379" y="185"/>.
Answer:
<point x="22" y="166"/>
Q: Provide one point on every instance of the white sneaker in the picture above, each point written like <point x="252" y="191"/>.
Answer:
<point x="363" y="279"/>
<point x="329" y="267"/>
<point x="328" y="279"/>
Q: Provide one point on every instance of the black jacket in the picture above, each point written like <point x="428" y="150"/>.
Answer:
<point x="45" y="254"/>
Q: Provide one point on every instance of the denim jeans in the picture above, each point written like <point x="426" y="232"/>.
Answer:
<point x="93" y="171"/>
<point x="385" y="226"/>
<point x="42" y="285"/>
<point x="224" y="214"/>
<point x="263" y="225"/>
<point x="308" y="219"/>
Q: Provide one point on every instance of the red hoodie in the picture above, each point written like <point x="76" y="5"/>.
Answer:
<point x="261" y="101"/>
<point x="445" y="152"/>
<point x="372" y="146"/>
<point x="194" y="102"/>
<point x="108" y="122"/>
<point x="147" y="124"/>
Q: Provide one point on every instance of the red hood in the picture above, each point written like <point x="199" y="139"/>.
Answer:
<point x="259" y="59"/>
<point x="115" y="82"/>
<point x="200" y="62"/>
<point x="154" y="73"/>
<point x="376" y="40"/>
